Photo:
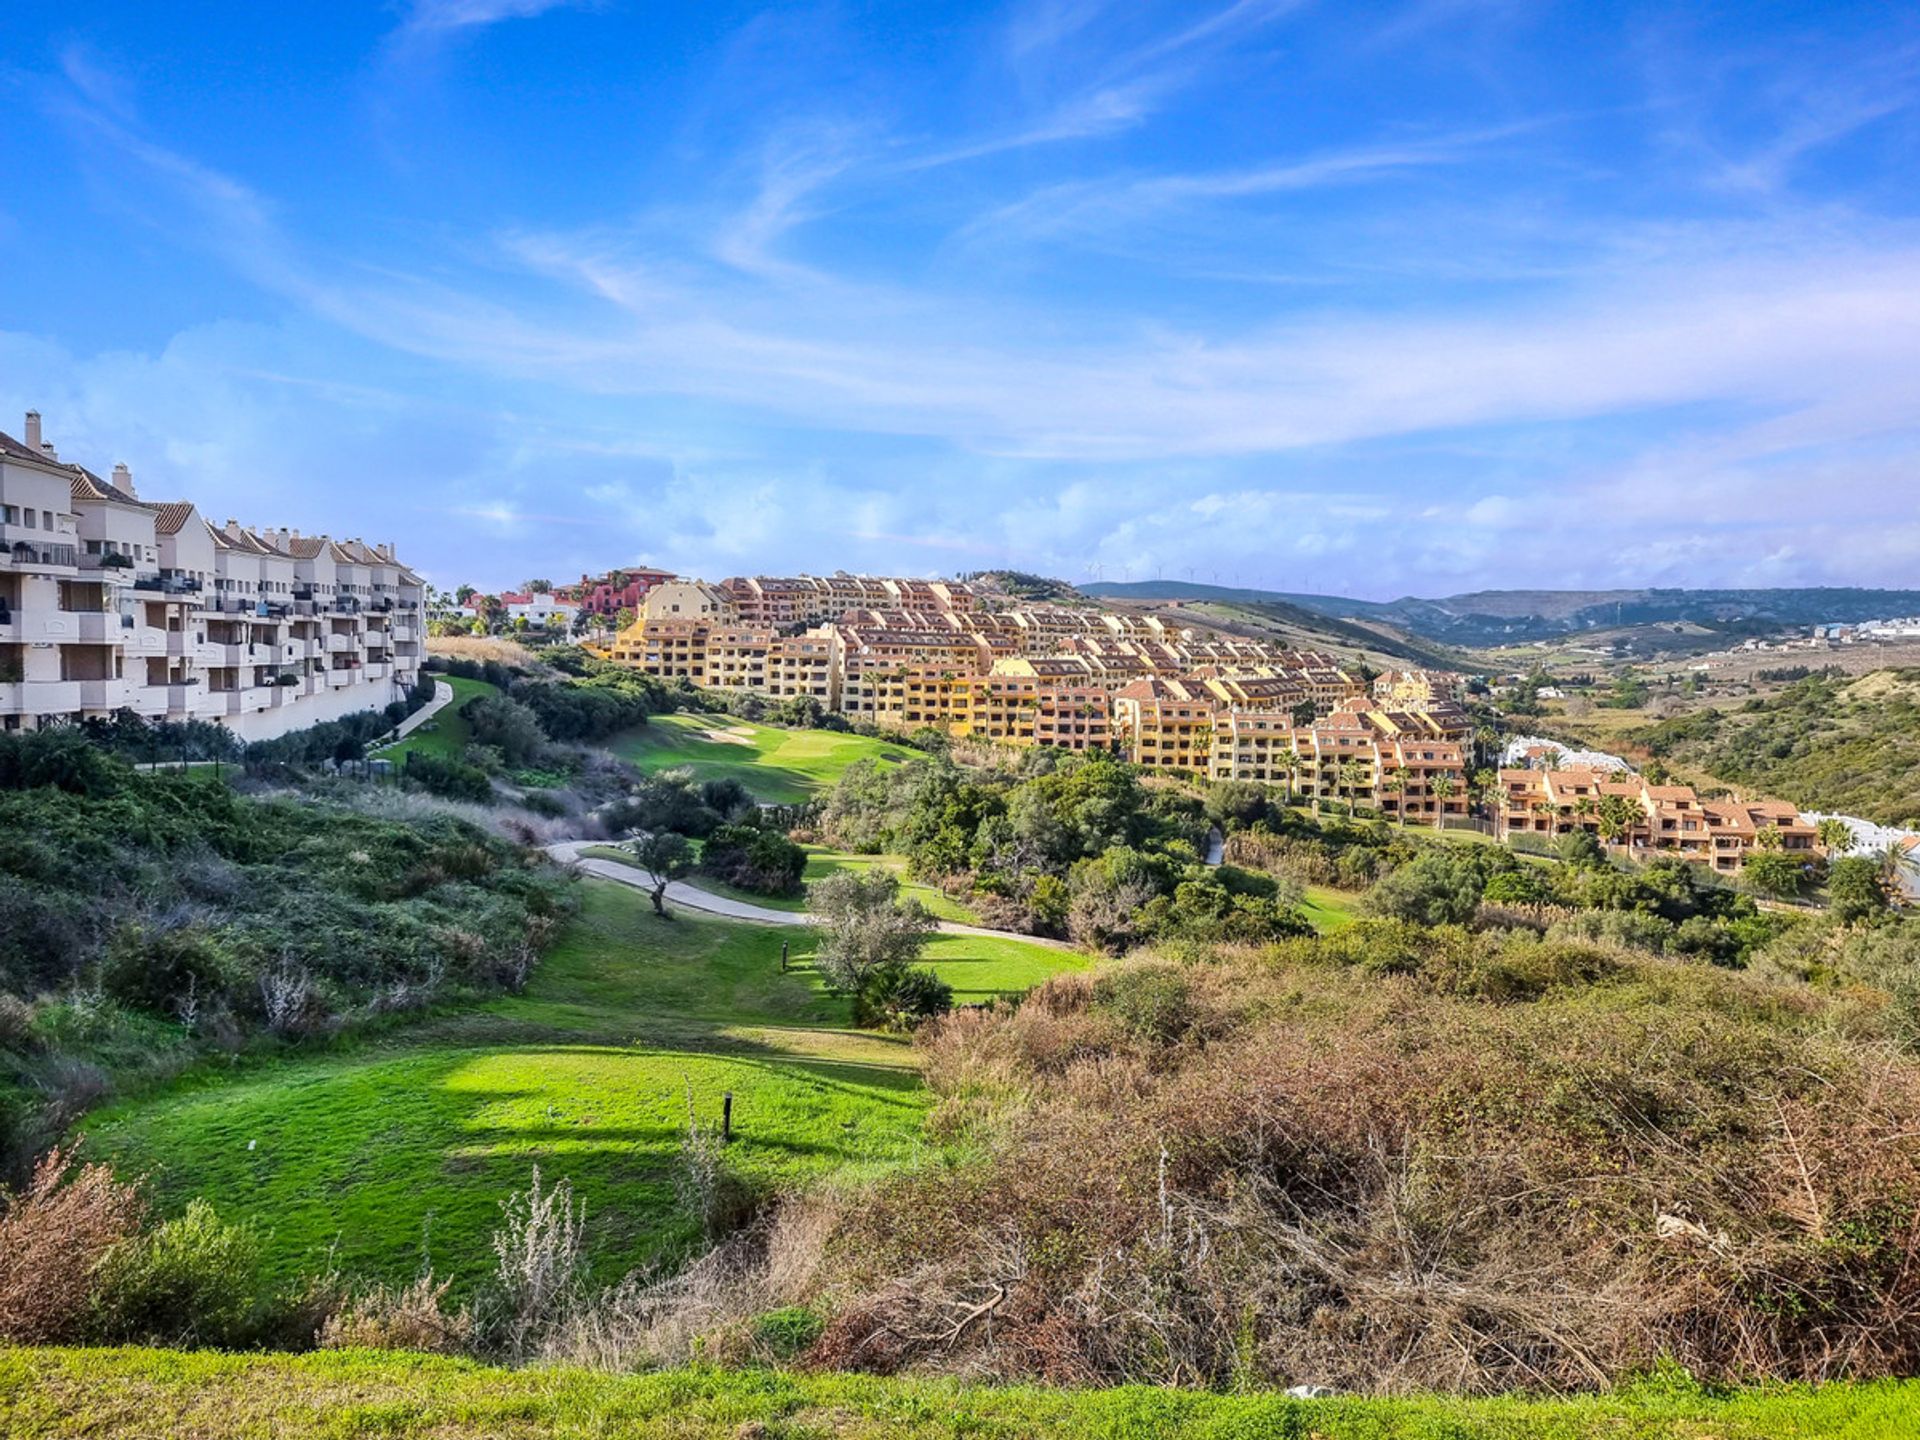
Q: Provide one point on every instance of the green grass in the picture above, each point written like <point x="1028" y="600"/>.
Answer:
<point x="56" y="1394"/>
<point x="446" y="735"/>
<point x="368" y="1151"/>
<point x="783" y="767"/>
<point x="1328" y="909"/>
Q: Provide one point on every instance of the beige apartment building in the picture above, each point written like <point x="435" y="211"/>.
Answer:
<point x="109" y="602"/>
<point x="1670" y="819"/>
<point x="903" y="654"/>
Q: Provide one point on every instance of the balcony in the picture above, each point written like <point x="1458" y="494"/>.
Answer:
<point x="181" y="585"/>
<point x="104" y="694"/>
<point x="47" y="697"/>
<point x="339" y="644"/>
<point x="37" y="555"/>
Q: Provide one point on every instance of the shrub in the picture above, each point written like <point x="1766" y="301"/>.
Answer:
<point x="762" y="861"/>
<point x="193" y="1280"/>
<point x="53" y="1233"/>
<point x="540" y="1262"/>
<point x="785" y="1332"/>
<point x="1437" y="888"/>
<point x="167" y="971"/>
<point x="1153" y="1001"/>
<point x="415" y="1316"/>
<point x="450" y="779"/>
<point x="901" y="998"/>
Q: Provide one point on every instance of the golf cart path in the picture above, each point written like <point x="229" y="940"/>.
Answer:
<point x="568" y="852"/>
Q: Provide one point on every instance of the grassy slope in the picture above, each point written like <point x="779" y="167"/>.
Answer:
<point x="586" y="1074"/>
<point x="71" y="1393"/>
<point x="448" y="736"/>
<point x="781" y="766"/>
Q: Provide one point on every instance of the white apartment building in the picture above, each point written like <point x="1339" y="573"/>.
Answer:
<point x="109" y="602"/>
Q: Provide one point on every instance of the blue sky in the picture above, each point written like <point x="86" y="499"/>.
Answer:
<point x="1363" y="298"/>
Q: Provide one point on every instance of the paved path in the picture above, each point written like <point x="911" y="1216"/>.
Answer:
<point x="567" y="852"/>
<point x="442" y="697"/>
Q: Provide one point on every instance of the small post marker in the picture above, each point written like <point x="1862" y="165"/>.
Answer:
<point x="726" y="1118"/>
<point x="783" y="957"/>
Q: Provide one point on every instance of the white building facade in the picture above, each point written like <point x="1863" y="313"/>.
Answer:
<point x="109" y="602"/>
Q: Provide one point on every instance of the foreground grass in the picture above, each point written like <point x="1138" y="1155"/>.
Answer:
<point x="783" y="767"/>
<point x="70" y="1393"/>
<point x="367" y="1156"/>
<point x="446" y="736"/>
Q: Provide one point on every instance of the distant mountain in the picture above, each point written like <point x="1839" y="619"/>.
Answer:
<point x="1502" y="617"/>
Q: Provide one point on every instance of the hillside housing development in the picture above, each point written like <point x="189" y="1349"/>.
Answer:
<point x="1622" y="808"/>
<point x="903" y="654"/>
<point x="109" y="602"/>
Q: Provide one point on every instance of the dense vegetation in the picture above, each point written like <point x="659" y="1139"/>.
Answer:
<point x="1062" y="844"/>
<point x="1825" y="743"/>
<point x="149" y="917"/>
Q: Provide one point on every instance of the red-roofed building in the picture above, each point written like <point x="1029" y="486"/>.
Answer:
<point x="615" y="591"/>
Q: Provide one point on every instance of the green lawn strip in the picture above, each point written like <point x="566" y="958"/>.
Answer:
<point x="420" y="1135"/>
<point x="446" y="734"/>
<point x="779" y="766"/>
<point x="1328" y="909"/>
<point x="56" y="1394"/>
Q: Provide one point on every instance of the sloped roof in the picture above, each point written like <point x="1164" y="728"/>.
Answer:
<point x="170" y="515"/>
<point x="88" y="486"/>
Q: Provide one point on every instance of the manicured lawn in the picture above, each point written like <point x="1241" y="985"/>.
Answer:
<point x="370" y="1151"/>
<point x="446" y="735"/>
<point x="779" y="766"/>
<point x="57" y="1394"/>
<point x="1328" y="909"/>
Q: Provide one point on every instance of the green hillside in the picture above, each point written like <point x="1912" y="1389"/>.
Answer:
<point x="1851" y="746"/>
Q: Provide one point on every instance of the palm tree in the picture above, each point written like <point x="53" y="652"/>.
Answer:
<point x="1835" y="835"/>
<point x="1767" y="837"/>
<point x="1616" y="814"/>
<point x="1444" y="790"/>
<point x="1396" y="786"/>
<point x="1585" y="808"/>
<point x="1287" y="762"/>
<point x="1485" y="737"/>
<point x="1347" y="779"/>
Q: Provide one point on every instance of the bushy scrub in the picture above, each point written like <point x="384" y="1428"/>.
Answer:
<point x="754" y="858"/>
<point x="1403" y="1158"/>
<point x="191" y="1280"/>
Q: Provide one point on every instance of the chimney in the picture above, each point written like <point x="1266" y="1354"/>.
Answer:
<point x="33" y="431"/>
<point x="123" y="480"/>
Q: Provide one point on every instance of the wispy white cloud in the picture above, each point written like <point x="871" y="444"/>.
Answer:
<point x="428" y="17"/>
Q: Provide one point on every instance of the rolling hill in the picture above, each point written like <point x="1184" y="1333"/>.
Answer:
<point x="1503" y="617"/>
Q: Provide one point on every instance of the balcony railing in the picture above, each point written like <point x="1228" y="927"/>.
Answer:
<point x="23" y="553"/>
